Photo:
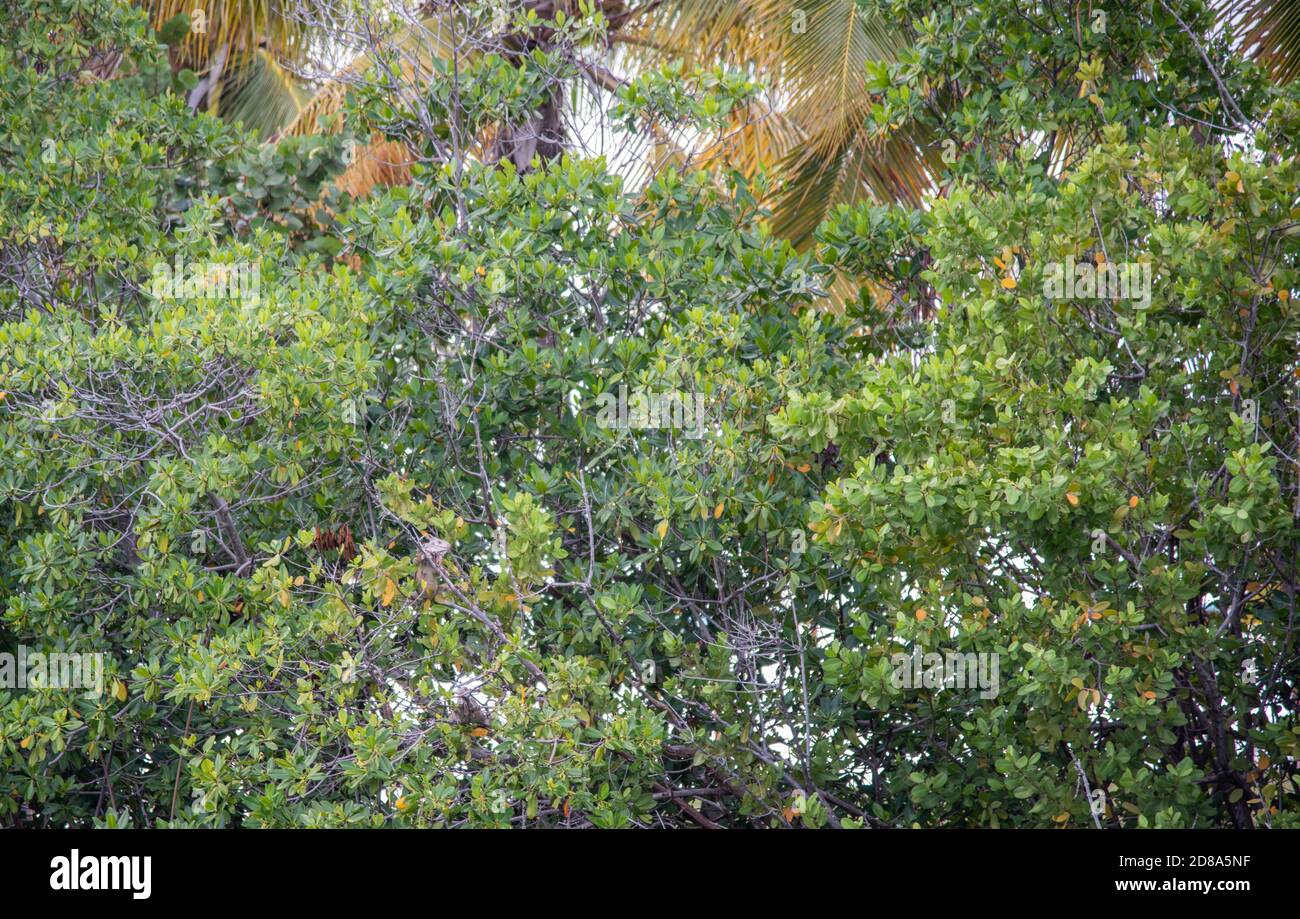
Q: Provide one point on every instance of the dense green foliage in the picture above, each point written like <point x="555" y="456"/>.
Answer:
<point x="362" y="549"/>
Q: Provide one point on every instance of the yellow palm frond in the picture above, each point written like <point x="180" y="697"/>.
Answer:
<point x="409" y="52"/>
<point x="241" y="26"/>
<point x="412" y="49"/>
<point x="756" y="136"/>
<point x="741" y="33"/>
<point x="383" y="162"/>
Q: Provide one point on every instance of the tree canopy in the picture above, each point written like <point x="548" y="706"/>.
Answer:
<point x="520" y="492"/>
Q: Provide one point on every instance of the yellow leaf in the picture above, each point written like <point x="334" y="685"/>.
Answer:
<point x="1072" y="498"/>
<point x="662" y="529"/>
<point x="717" y="511"/>
<point x="1148" y="694"/>
<point x="1009" y="283"/>
<point x="119" y="690"/>
<point x="284" y="597"/>
<point x="25" y="742"/>
<point x="804" y="468"/>
<point x="1133" y="501"/>
<point x="390" y="591"/>
<point x="479" y="732"/>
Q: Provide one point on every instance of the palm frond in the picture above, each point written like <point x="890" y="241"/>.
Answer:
<point x="1268" y="30"/>
<point x="812" y="184"/>
<point x="756" y="136"/>
<point x="409" y="52"/>
<point x="261" y="94"/>
<point x="412" y="48"/>
<point x="383" y="162"/>
<point x="241" y="26"/>
<point x="742" y="33"/>
<point x="811" y="127"/>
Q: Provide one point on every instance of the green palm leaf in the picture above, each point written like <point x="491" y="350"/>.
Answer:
<point x="262" y="95"/>
<point x="813" y="128"/>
